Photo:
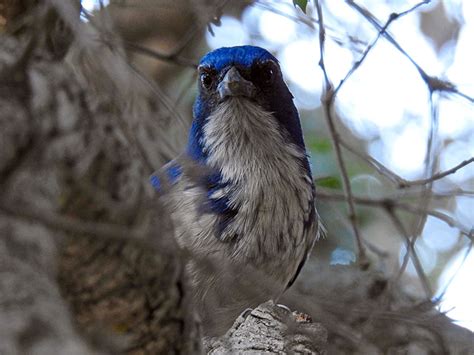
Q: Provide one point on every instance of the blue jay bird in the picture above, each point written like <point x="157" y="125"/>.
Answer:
<point x="242" y="194"/>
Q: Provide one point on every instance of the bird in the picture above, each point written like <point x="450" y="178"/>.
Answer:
<point x="241" y="196"/>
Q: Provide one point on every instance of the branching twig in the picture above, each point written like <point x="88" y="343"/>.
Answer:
<point x="437" y="176"/>
<point x="357" y="64"/>
<point x="434" y="84"/>
<point x="397" y="179"/>
<point x="332" y="32"/>
<point x="394" y="203"/>
<point x="378" y="166"/>
<point x="410" y="252"/>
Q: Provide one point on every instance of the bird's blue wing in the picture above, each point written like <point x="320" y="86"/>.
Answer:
<point x="221" y="205"/>
<point x="171" y="172"/>
<point x="212" y="183"/>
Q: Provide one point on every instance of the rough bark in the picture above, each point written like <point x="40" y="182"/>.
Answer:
<point x="271" y="329"/>
<point x="75" y="207"/>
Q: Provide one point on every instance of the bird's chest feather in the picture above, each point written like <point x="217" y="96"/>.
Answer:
<point x="264" y="184"/>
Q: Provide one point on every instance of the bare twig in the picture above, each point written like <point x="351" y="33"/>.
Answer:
<point x="463" y="95"/>
<point x="397" y="179"/>
<point x="437" y="176"/>
<point x="378" y="166"/>
<point x="434" y="84"/>
<point x="394" y="203"/>
<point x="446" y="286"/>
<point x="431" y="160"/>
<point x="332" y="32"/>
<point x="328" y="103"/>
<point x="410" y="252"/>
<point x="357" y="64"/>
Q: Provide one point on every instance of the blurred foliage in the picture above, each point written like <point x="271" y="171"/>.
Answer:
<point x="330" y="182"/>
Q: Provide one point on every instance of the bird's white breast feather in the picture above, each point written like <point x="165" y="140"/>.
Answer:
<point x="268" y="185"/>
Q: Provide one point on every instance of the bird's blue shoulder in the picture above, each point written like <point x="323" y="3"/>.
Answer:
<point x="172" y="172"/>
<point x="244" y="56"/>
<point x="211" y="183"/>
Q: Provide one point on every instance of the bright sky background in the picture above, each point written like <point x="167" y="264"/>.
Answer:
<point x="384" y="102"/>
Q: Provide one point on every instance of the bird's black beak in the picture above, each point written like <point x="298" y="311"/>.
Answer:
<point x="234" y="85"/>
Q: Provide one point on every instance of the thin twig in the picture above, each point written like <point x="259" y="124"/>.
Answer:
<point x="358" y="63"/>
<point x="378" y="166"/>
<point x="434" y="84"/>
<point x="393" y="203"/>
<point x="322" y="41"/>
<point x="374" y="22"/>
<point x="451" y="279"/>
<point x="437" y="176"/>
<point x="397" y="179"/>
<point x="328" y="103"/>
<point x="332" y="32"/>
<point x="431" y="161"/>
<point x="410" y="252"/>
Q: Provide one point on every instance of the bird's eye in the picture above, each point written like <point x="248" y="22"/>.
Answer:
<point x="265" y="73"/>
<point x="207" y="79"/>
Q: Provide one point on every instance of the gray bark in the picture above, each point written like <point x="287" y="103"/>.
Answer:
<point x="87" y="259"/>
<point x="270" y="329"/>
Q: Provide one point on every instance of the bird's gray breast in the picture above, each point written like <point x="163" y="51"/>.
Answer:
<point x="264" y="179"/>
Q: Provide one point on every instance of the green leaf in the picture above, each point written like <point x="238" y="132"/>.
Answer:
<point x="301" y="4"/>
<point x="330" y="182"/>
<point x="320" y="145"/>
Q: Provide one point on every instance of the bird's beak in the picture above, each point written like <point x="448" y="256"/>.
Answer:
<point x="234" y="85"/>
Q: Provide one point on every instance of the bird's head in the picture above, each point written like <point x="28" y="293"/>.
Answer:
<point x="251" y="76"/>
<point x="246" y="72"/>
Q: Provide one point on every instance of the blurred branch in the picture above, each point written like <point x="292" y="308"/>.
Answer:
<point x="170" y="58"/>
<point x="333" y="33"/>
<point x="164" y="99"/>
<point x="394" y="203"/>
<point x="70" y="224"/>
<point x="382" y="30"/>
<point x="397" y="179"/>
<point x="433" y="83"/>
<point x="328" y="98"/>
<point x="431" y="161"/>
<point x="461" y="264"/>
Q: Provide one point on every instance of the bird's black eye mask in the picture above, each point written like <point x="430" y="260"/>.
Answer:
<point x="263" y="74"/>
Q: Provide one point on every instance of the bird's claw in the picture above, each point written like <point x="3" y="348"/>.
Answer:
<point x="282" y="306"/>
<point x="246" y="313"/>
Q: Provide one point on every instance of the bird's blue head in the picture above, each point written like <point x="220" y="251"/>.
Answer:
<point x="247" y="73"/>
